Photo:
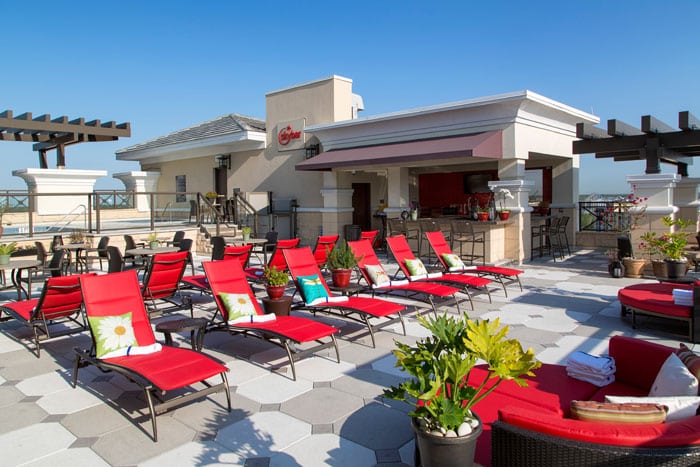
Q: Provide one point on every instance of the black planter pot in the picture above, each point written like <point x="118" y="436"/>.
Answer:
<point x="676" y="268"/>
<point x="616" y="269"/>
<point x="438" y="451"/>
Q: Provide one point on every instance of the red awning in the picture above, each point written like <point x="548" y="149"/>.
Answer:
<point x="486" y="145"/>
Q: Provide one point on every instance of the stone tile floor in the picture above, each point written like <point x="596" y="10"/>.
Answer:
<point x="334" y="414"/>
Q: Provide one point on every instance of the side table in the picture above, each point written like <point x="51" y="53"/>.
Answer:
<point x="280" y="307"/>
<point x="351" y="289"/>
<point x="196" y="326"/>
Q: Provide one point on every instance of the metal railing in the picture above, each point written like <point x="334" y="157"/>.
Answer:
<point x="605" y="216"/>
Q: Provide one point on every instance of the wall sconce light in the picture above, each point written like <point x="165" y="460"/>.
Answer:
<point x="312" y="151"/>
<point x="224" y="161"/>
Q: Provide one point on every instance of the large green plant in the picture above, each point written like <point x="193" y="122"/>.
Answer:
<point x="441" y="363"/>
<point x="669" y="245"/>
<point x="341" y="257"/>
<point x="7" y="248"/>
<point x="275" y="277"/>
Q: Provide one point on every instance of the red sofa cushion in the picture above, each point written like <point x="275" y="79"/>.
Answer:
<point x="657" y="298"/>
<point x="637" y="361"/>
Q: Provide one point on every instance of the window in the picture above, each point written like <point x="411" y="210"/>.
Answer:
<point x="180" y="187"/>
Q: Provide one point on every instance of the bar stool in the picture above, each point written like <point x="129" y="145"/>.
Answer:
<point x="463" y="232"/>
<point x="426" y="225"/>
<point x="550" y="239"/>
<point x="563" y="237"/>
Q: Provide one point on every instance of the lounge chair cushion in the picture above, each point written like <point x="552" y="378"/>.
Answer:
<point x="237" y="305"/>
<point x="112" y="333"/>
<point x="454" y="263"/>
<point x="377" y="274"/>
<point x="674" y="379"/>
<point x="608" y="412"/>
<point x="416" y="267"/>
<point x="312" y="288"/>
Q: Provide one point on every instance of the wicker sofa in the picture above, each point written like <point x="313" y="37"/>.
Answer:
<point x="657" y="300"/>
<point x="531" y="426"/>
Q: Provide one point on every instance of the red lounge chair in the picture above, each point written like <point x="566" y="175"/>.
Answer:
<point x="370" y="235"/>
<point x="301" y="262"/>
<point x="276" y="259"/>
<point x="60" y="302"/>
<point x="170" y="369"/>
<point x="401" y="251"/>
<point x="162" y="282"/>
<point x="324" y="245"/>
<point x="423" y="291"/>
<point x="228" y="277"/>
<point x="503" y="276"/>
<point x="241" y="253"/>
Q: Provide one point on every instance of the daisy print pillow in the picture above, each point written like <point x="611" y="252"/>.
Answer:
<point x="112" y="333"/>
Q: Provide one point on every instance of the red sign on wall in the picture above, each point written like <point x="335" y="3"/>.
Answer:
<point x="290" y="135"/>
<point x="287" y="134"/>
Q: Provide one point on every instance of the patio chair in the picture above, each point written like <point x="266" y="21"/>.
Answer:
<point x="500" y="274"/>
<point x="173" y="371"/>
<point x="57" y="240"/>
<point x="378" y="282"/>
<point x="130" y="244"/>
<point x="162" y="283"/>
<point x="99" y="252"/>
<point x="463" y="234"/>
<point x="42" y="256"/>
<point x="267" y="247"/>
<point x="218" y="244"/>
<point x="324" y="245"/>
<point x="227" y="277"/>
<point x="60" y="302"/>
<point x="186" y="245"/>
<point x="115" y="260"/>
<point x="177" y="238"/>
<point x="398" y="246"/>
<point x="57" y="264"/>
<point x="316" y="296"/>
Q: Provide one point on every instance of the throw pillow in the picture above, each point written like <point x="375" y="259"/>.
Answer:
<point x="415" y="267"/>
<point x="453" y="261"/>
<point x="690" y="360"/>
<point x="237" y="305"/>
<point x="674" y="379"/>
<point x="377" y="274"/>
<point x="678" y="407"/>
<point x="112" y="333"/>
<point x="593" y="411"/>
<point x="311" y="288"/>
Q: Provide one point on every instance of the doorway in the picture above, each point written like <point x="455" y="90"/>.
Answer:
<point x="361" y="205"/>
<point x="221" y="181"/>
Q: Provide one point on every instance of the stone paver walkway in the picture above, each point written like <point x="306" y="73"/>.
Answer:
<point x="333" y="414"/>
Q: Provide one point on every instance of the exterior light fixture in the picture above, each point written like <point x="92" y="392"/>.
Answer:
<point x="224" y="161"/>
<point x="312" y="151"/>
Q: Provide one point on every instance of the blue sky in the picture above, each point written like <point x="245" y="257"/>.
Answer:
<point x="163" y="66"/>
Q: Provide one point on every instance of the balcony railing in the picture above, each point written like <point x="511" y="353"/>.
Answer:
<point x="604" y="216"/>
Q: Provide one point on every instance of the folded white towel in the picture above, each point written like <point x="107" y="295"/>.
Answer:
<point x="253" y="319"/>
<point x="682" y="292"/>
<point x="465" y="268"/>
<point x="322" y="300"/>
<point x="682" y="297"/>
<point x="432" y="275"/>
<point x="390" y="284"/>
<point x="592" y="371"/>
<point x="134" y="350"/>
<point x="596" y="380"/>
<point x="591" y="361"/>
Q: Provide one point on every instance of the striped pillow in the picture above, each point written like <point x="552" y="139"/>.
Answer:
<point x="689" y="359"/>
<point x="607" y="412"/>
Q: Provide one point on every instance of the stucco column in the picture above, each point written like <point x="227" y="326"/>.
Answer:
<point x="518" y="231"/>
<point x="658" y="190"/>
<point x="397" y="191"/>
<point x="140" y="182"/>
<point x="44" y="181"/>
<point x="565" y="194"/>
<point x="685" y="198"/>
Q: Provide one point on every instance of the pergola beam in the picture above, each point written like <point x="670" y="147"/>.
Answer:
<point x="652" y="124"/>
<point x="618" y="128"/>
<point x="688" y="121"/>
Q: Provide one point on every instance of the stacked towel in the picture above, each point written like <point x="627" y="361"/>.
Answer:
<point x="683" y="297"/>
<point x="253" y="319"/>
<point x="599" y="371"/>
<point x="134" y="350"/>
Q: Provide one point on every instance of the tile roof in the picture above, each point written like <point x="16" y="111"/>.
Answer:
<point x="220" y="126"/>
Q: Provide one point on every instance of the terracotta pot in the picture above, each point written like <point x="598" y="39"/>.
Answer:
<point x="483" y="216"/>
<point x="341" y="277"/>
<point x="275" y="292"/>
<point x="503" y="215"/>
<point x="659" y="268"/>
<point x="439" y="451"/>
<point x="634" y="267"/>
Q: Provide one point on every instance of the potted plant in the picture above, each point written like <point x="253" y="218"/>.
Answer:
<point x="341" y="261"/>
<point x="615" y="266"/>
<point x="650" y="245"/>
<point x="276" y="282"/>
<point x="503" y="213"/>
<point x="6" y="250"/>
<point x="77" y="236"/>
<point x="211" y="195"/>
<point x="672" y="245"/>
<point x="440" y="365"/>
<point x="483" y="214"/>
<point x="153" y="242"/>
<point x="245" y="232"/>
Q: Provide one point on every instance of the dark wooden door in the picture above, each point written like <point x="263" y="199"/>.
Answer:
<point x="361" y="214"/>
<point x="220" y="181"/>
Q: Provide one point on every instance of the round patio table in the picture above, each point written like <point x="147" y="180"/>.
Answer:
<point x="17" y="266"/>
<point x="196" y="327"/>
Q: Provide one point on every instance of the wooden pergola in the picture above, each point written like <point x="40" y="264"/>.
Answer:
<point x="47" y="133"/>
<point x="655" y="142"/>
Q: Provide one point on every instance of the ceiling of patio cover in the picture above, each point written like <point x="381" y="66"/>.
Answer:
<point x="485" y="145"/>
